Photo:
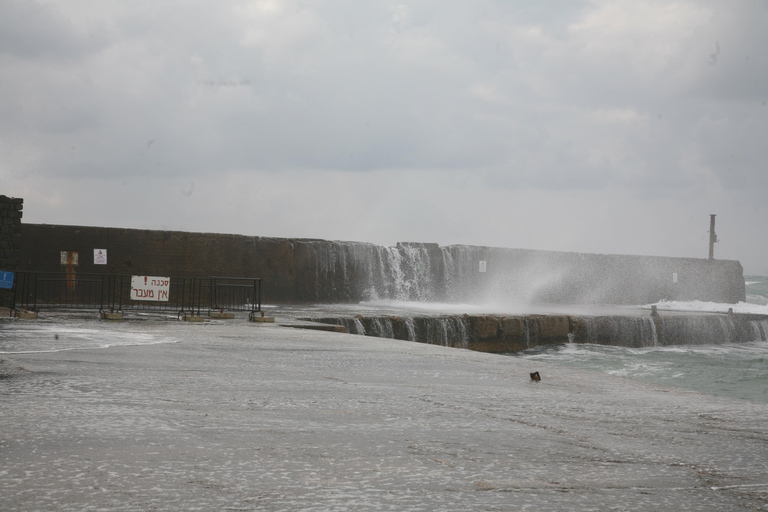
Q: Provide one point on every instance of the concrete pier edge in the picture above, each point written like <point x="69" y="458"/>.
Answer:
<point x="513" y="333"/>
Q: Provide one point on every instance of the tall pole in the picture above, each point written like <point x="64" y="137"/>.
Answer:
<point x="712" y="236"/>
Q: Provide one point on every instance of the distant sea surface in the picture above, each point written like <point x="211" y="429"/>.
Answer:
<point x="731" y="370"/>
<point x="757" y="289"/>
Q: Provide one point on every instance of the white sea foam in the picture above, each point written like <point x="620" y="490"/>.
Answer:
<point x="29" y="338"/>
<point x="487" y="308"/>
<point x="709" y="307"/>
<point x="734" y="370"/>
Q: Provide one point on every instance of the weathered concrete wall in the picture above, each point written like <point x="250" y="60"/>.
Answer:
<point x="505" y="334"/>
<point x="575" y="278"/>
<point x="321" y="271"/>
<point x="10" y="232"/>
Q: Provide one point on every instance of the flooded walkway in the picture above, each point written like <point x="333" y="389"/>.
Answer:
<point x="237" y="416"/>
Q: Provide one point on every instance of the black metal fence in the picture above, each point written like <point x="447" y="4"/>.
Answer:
<point x="113" y="293"/>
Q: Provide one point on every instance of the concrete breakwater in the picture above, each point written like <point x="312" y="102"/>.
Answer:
<point x="503" y="334"/>
<point x="308" y="271"/>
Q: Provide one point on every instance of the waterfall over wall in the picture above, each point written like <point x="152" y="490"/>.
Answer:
<point x="353" y="271"/>
<point x="489" y="333"/>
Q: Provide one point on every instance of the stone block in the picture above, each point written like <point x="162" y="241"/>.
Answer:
<point x="498" y="345"/>
<point x="555" y="326"/>
<point x="579" y="329"/>
<point x="322" y="327"/>
<point x="399" y="327"/>
<point x="512" y="326"/>
<point x="485" y="327"/>
<point x="221" y="315"/>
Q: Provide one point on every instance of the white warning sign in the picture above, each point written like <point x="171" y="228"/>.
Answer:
<point x="99" y="256"/>
<point x="150" y="288"/>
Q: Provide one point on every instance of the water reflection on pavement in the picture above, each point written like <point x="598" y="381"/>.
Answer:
<point x="239" y="416"/>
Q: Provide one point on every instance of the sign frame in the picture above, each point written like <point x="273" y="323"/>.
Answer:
<point x="69" y="258"/>
<point x="99" y="256"/>
<point x="150" y="288"/>
<point x="6" y="280"/>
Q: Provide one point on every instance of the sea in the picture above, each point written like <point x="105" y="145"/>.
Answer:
<point x="730" y="370"/>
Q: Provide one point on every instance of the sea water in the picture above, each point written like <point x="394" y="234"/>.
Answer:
<point x="66" y="331"/>
<point x="757" y="289"/>
<point x="731" y="370"/>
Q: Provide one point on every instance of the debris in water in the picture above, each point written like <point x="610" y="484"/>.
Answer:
<point x="535" y="377"/>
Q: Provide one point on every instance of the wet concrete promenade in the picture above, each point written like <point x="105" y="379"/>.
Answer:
<point x="237" y="416"/>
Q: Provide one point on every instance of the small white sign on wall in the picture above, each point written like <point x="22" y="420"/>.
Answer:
<point x="482" y="266"/>
<point x="99" y="256"/>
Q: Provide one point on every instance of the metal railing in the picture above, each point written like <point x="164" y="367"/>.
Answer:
<point x="112" y="292"/>
<point x="227" y="291"/>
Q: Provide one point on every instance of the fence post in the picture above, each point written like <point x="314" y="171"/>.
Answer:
<point x="34" y="293"/>
<point x="104" y="290"/>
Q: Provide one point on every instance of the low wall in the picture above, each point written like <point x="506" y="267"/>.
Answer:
<point x="320" y="271"/>
<point x="510" y="333"/>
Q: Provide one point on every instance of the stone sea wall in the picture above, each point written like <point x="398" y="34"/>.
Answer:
<point x="10" y="232"/>
<point x="302" y="271"/>
<point x="506" y="334"/>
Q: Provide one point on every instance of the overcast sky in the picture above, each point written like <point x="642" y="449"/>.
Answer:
<point x="594" y="126"/>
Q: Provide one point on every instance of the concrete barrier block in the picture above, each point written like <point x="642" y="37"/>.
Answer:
<point x="485" y="326"/>
<point x="399" y="328"/>
<point x="555" y="326"/>
<point x="579" y="329"/>
<point x="512" y="326"/>
<point x="322" y="327"/>
<point x="498" y="345"/>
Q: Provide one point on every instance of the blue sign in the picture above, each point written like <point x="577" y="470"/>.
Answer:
<point x="6" y="280"/>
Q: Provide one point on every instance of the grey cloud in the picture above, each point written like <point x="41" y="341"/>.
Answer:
<point x="395" y="92"/>
<point x="30" y="29"/>
<point x="519" y="97"/>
